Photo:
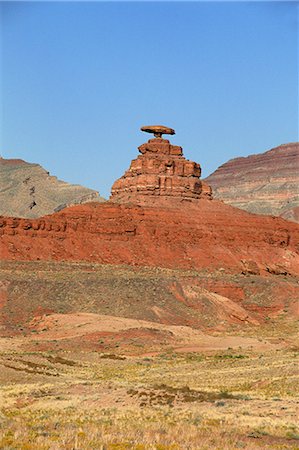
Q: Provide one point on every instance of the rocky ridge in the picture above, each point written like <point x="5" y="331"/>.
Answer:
<point x="266" y="183"/>
<point x="27" y="190"/>
<point x="207" y="235"/>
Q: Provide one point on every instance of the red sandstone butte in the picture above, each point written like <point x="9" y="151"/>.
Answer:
<point x="160" y="214"/>
<point x="160" y="175"/>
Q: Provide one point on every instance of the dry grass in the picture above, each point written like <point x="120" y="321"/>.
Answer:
<point x="223" y="400"/>
<point x="93" y="392"/>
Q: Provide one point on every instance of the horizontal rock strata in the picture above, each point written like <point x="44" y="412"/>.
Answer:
<point x="266" y="183"/>
<point x="208" y="234"/>
<point x="160" y="175"/>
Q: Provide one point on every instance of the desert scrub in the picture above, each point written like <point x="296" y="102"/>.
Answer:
<point x="133" y="429"/>
<point x="168" y="395"/>
<point x="192" y="401"/>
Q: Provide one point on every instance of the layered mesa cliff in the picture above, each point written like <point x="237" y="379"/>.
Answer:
<point x="207" y="235"/>
<point x="267" y="183"/>
<point x="160" y="214"/>
<point x="27" y="190"/>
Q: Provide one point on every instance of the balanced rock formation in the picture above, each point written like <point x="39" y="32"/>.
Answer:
<point x="135" y="229"/>
<point x="27" y="190"/>
<point x="267" y="183"/>
<point x="160" y="175"/>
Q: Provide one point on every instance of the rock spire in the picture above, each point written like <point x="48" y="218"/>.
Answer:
<point x="160" y="174"/>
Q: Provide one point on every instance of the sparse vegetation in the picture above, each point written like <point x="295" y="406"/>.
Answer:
<point x="116" y="402"/>
<point x="67" y="383"/>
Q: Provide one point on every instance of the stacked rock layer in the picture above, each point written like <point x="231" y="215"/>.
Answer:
<point x="162" y="175"/>
<point x="266" y="183"/>
<point x="202" y="235"/>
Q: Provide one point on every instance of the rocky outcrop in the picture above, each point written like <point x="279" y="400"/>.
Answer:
<point x="266" y="183"/>
<point x="27" y="190"/>
<point x="202" y="235"/>
<point x="138" y="228"/>
<point x="160" y="176"/>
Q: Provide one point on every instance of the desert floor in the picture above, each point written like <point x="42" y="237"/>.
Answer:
<point x="156" y="387"/>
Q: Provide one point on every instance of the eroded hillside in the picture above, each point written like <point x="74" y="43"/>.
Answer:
<point x="28" y="190"/>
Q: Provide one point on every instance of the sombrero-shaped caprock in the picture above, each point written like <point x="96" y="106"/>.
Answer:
<point x="157" y="130"/>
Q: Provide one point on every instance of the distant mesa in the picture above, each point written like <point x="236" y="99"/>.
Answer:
<point x="161" y="175"/>
<point x="266" y="183"/>
<point x="27" y="190"/>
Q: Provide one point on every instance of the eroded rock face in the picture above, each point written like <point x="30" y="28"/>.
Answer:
<point x="160" y="175"/>
<point x="266" y="183"/>
<point x="28" y="190"/>
<point x="201" y="235"/>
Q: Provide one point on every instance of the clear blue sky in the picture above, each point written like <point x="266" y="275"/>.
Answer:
<point x="79" y="79"/>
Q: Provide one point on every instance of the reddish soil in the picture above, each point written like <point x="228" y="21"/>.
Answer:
<point x="209" y="301"/>
<point x="114" y="334"/>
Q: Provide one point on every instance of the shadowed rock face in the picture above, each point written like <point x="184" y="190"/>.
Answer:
<point x="160" y="175"/>
<point x="27" y="190"/>
<point x="266" y="183"/>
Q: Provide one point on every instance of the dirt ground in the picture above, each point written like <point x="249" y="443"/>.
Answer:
<point x="61" y="391"/>
<point x="146" y="359"/>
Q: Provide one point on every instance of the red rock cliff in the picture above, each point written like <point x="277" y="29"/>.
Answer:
<point x="173" y="223"/>
<point x="207" y="234"/>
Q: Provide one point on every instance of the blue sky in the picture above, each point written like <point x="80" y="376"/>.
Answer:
<point x="78" y="79"/>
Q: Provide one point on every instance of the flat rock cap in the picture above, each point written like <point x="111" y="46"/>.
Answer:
<point x="157" y="129"/>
